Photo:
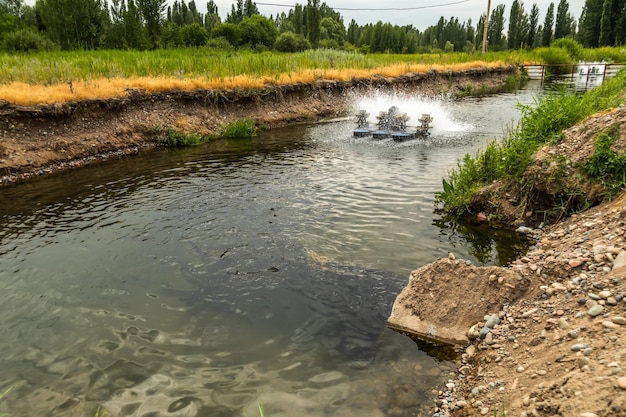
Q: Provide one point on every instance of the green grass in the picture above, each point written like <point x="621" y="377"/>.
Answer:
<point x="239" y="129"/>
<point x="606" y="165"/>
<point x="541" y="123"/>
<point x="53" y="67"/>
<point x="173" y="138"/>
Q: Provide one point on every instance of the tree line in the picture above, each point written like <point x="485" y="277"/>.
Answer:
<point x="152" y="24"/>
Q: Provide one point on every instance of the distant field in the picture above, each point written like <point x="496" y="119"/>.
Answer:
<point x="31" y="79"/>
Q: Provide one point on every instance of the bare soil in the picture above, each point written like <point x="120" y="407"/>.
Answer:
<point x="545" y="336"/>
<point x="43" y="139"/>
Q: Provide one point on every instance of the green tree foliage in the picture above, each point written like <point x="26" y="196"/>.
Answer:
<point x="153" y="12"/>
<point x="333" y="30"/>
<point x="620" y="27"/>
<point x="74" y="24"/>
<point x="606" y="29"/>
<point x="8" y="23"/>
<point x="313" y="22"/>
<point x="495" y="37"/>
<point x="589" y="25"/>
<point x="257" y="30"/>
<point x="564" y="21"/>
<point x="12" y="7"/>
<point x="533" y="21"/>
<point x="236" y="13"/>
<point x="211" y="18"/>
<point x="126" y="29"/>
<point x="194" y="35"/>
<point x="249" y="9"/>
<point x="548" y="23"/>
<point x="290" y="42"/>
<point x="25" y="40"/>
<point x="518" y="26"/>
<point x="229" y="31"/>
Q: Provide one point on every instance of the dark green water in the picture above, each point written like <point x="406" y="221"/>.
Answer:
<point x="206" y="281"/>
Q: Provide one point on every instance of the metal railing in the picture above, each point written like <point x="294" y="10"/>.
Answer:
<point x="582" y="76"/>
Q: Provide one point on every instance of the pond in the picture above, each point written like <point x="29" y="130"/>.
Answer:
<point x="209" y="281"/>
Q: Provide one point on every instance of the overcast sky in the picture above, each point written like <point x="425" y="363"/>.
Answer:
<point x="422" y="15"/>
<point x="421" y="18"/>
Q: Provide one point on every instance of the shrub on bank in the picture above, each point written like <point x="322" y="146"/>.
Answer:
<point x="541" y="124"/>
<point x="26" y="40"/>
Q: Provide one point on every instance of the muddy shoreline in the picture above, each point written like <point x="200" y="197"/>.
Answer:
<point x="44" y="139"/>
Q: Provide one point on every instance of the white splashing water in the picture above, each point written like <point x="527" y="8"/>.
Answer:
<point x="414" y="107"/>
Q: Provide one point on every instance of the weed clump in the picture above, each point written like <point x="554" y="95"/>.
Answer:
<point x="173" y="138"/>
<point x="239" y="129"/>
<point x="606" y="165"/>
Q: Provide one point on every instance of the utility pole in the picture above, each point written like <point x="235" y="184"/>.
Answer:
<point x="486" y="27"/>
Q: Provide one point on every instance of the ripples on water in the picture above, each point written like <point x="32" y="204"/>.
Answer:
<point x="207" y="281"/>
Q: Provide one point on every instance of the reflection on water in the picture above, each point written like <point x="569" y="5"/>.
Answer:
<point x="203" y="282"/>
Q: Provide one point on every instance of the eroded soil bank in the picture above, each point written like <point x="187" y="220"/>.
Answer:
<point x="43" y="139"/>
<point x="545" y="336"/>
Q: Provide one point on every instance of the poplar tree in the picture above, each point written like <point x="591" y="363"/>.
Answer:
<point x="313" y="22"/>
<point x="563" y="24"/>
<point x="605" y="24"/>
<point x="497" y="41"/>
<point x="74" y="24"/>
<point x="152" y="12"/>
<point x="548" y="23"/>
<point x="211" y="18"/>
<point x="533" y="21"/>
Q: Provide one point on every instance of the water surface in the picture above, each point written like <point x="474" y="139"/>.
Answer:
<point x="206" y="281"/>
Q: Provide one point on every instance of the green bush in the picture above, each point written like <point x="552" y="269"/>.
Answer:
<point x="25" y="40"/>
<point x="290" y="42"/>
<point x="194" y="35"/>
<point x="573" y="48"/>
<point x="220" y="44"/>
<point x="558" y="58"/>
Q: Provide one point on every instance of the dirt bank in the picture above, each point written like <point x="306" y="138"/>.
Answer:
<point x="47" y="138"/>
<point x="545" y="336"/>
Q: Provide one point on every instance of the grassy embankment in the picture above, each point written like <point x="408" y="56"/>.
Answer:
<point x="42" y="78"/>
<point x="58" y="77"/>
<point x="541" y="124"/>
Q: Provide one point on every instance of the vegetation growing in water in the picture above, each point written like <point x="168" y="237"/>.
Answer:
<point x="541" y="124"/>
<point x="237" y="129"/>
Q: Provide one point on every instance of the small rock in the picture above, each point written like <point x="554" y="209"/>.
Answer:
<point x="578" y="347"/>
<point x="492" y="321"/>
<point x="520" y="369"/>
<point x="610" y="325"/>
<point x="483" y="332"/>
<point x="619" y="320"/>
<point x="621" y="382"/>
<point x="620" y="260"/>
<point x="595" y="310"/>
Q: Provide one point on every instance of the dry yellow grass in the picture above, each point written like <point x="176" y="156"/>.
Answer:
<point x="29" y="95"/>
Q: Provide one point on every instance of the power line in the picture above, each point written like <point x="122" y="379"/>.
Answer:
<point x="374" y="9"/>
